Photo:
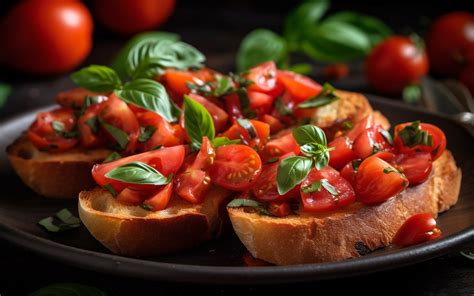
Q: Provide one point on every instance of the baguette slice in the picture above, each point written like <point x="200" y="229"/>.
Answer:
<point x="54" y="175"/>
<point x="133" y="231"/>
<point x="350" y="232"/>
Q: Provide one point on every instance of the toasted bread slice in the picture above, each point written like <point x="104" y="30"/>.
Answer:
<point x="133" y="231"/>
<point x="349" y="232"/>
<point x="54" y="175"/>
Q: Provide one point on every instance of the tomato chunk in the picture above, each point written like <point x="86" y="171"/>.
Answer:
<point x="417" y="229"/>
<point x="413" y="137"/>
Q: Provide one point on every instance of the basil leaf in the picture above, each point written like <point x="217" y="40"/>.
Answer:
<point x="97" y="78"/>
<point x="282" y="108"/>
<point x="68" y="289"/>
<point x="319" y="153"/>
<point x="412" y="135"/>
<point x="335" y="42"/>
<point x="119" y="135"/>
<point x="120" y="61"/>
<point x="411" y="94"/>
<point x="386" y="136"/>
<point x="303" y="18"/>
<point x="62" y="221"/>
<point x="309" y="134"/>
<point x="328" y="186"/>
<point x="67" y="217"/>
<point x="111" y="189"/>
<point x="245" y="103"/>
<point x="291" y="171"/>
<point x="327" y="96"/>
<point x="138" y="173"/>
<point x="303" y="68"/>
<point x="389" y="170"/>
<point x="221" y="141"/>
<point x="111" y="157"/>
<point x="223" y="86"/>
<point x="93" y="124"/>
<point x="313" y="187"/>
<point x="146" y="133"/>
<point x="375" y="29"/>
<point x="150" y="95"/>
<point x="242" y="202"/>
<point x="198" y="122"/>
<point x="260" y="46"/>
<point x="5" y="91"/>
<point x="58" y="126"/>
<point x="185" y="56"/>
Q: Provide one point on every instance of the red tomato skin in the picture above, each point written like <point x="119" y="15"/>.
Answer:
<point x="438" y="136"/>
<point x="299" y="87"/>
<point x="348" y="173"/>
<point x="133" y="16"/>
<point x="219" y="116"/>
<point x="262" y="130"/>
<point x="373" y="186"/>
<point x="279" y="209"/>
<point x="233" y="107"/>
<point x="369" y="141"/>
<point x="74" y="98"/>
<point x="361" y="126"/>
<point x="159" y="200"/>
<point x="192" y="185"/>
<point x="264" y="77"/>
<point x="176" y="81"/>
<point x="46" y="37"/>
<point x="275" y="124"/>
<point x="280" y="146"/>
<point x="236" y="167"/>
<point x="322" y="200"/>
<point x="131" y="197"/>
<point x="260" y="103"/>
<point x="416" y="167"/>
<point x="165" y="134"/>
<point x="395" y="63"/>
<point x="448" y="41"/>
<point x="342" y="153"/>
<point x="87" y="138"/>
<point x="417" y="229"/>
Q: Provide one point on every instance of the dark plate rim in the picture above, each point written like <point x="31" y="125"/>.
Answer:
<point x="140" y="268"/>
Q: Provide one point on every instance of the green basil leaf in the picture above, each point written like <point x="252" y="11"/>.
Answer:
<point x="329" y="187"/>
<point x="198" y="122"/>
<point x="58" y="126"/>
<point x="245" y="103"/>
<point x="111" y="189"/>
<point x="411" y="94"/>
<point x="303" y="68"/>
<point x="138" y="173"/>
<point x="146" y="133"/>
<point x="185" y="56"/>
<point x="93" y="124"/>
<point x="375" y="29"/>
<point x="5" y="91"/>
<point x="63" y="220"/>
<point x="335" y="42"/>
<point x="224" y="86"/>
<point x="111" y="157"/>
<point x="97" y="78"/>
<point x="412" y="135"/>
<point x="67" y="217"/>
<point x="120" y="61"/>
<point x="291" y="171"/>
<point x="221" y="141"/>
<point x="282" y="108"/>
<point x="386" y="136"/>
<point x="68" y="289"/>
<point x="313" y="187"/>
<point x="242" y="202"/>
<point x="119" y="135"/>
<point x="327" y="96"/>
<point x="260" y="46"/>
<point x="309" y="134"/>
<point x="301" y="19"/>
<point x="150" y="95"/>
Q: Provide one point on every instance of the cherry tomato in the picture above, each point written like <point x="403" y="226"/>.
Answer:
<point x="349" y="171"/>
<point x="417" y="229"/>
<point x="447" y="42"/>
<point x="236" y="167"/>
<point x="274" y="123"/>
<point x="233" y="107"/>
<point x="265" y="188"/>
<point x="133" y="16"/>
<point x="299" y="87"/>
<point x="264" y="78"/>
<point x="377" y="181"/>
<point x="370" y="141"/>
<point x="395" y="63"/>
<point x="342" y="152"/>
<point x="416" y="167"/>
<point x="260" y="103"/>
<point x="361" y="126"/>
<point x="46" y="37"/>
<point x="257" y="140"/>
<point x="74" y="98"/>
<point x="165" y="160"/>
<point x="321" y="199"/>
<point x="44" y="136"/>
<point x="279" y="209"/>
<point x="89" y="133"/>
<point x="280" y="146"/>
<point x="132" y="197"/>
<point x="219" y="116"/>
<point x="159" y="201"/>
<point x="438" y="139"/>
<point x="176" y="81"/>
<point x="164" y="135"/>
<point x="116" y="112"/>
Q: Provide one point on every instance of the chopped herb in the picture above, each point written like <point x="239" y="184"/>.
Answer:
<point x="58" y="126"/>
<point x="93" y="123"/>
<point x="242" y="202"/>
<point x="404" y="183"/>
<point x="248" y="126"/>
<point x="313" y="187"/>
<point x="221" y="141"/>
<point x="146" y="133"/>
<point x="347" y="125"/>
<point x="282" y="108"/>
<point x="328" y="186"/>
<point x="157" y="147"/>
<point x="62" y="221"/>
<point x="272" y="160"/>
<point x="245" y="103"/>
<point x="386" y="136"/>
<point x="146" y="207"/>
<point x="389" y="170"/>
<point x="111" y="157"/>
<point x="412" y="135"/>
<point x="356" y="163"/>
<point x="111" y="189"/>
<point x="327" y="96"/>
<point x="119" y="135"/>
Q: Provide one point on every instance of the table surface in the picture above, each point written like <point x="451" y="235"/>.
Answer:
<point x="218" y="38"/>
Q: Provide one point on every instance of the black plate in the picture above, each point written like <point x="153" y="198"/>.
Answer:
<point x="220" y="261"/>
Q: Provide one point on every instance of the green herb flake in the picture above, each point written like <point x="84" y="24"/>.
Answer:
<point x="347" y="125"/>
<point x="146" y="207"/>
<point x="111" y="189"/>
<point x="389" y="170"/>
<point x="222" y="141"/>
<point x="327" y="96"/>
<point x="282" y="108"/>
<point x="62" y="221"/>
<point x="58" y="126"/>
<point x="146" y="133"/>
<point x="412" y="135"/>
<point x="272" y="160"/>
<point x="119" y="135"/>
<point x="93" y="124"/>
<point x="250" y="203"/>
<point x="386" y="136"/>
<point x="329" y="187"/>
<point x="111" y="157"/>
<point x="248" y="126"/>
<point x="314" y="187"/>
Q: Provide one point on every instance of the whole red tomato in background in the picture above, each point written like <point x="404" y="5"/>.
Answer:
<point x="467" y="74"/>
<point x="133" y="16"/>
<point x="46" y="37"/>
<point x="394" y="64"/>
<point x="448" y="41"/>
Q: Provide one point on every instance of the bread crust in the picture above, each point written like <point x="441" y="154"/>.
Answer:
<point x="54" y="175"/>
<point x="349" y="232"/>
<point x="133" y="231"/>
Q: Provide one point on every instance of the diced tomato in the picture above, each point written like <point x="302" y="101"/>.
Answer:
<point x="132" y="197"/>
<point x="165" y="134"/>
<point x="165" y="160"/>
<point x="219" y="116"/>
<point x="321" y="199"/>
<point x="438" y="140"/>
<point x="361" y="126"/>
<point x="417" y="229"/>
<point x="176" y="80"/>
<point x="236" y="167"/>
<point x="160" y="200"/>
<point x="257" y="140"/>
<point x="342" y="152"/>
<point x="42" y="134"/>
<point x="249" y="260"/>
<point x="264" y="78"/>
<point x="370" y="141"/>
<point x="299" y="87"/>
<point x="377" y="181"/>
<point x="280" y="146"/>
<point x="279" y="209"/>
<point x="416" y="167"/>
<point x="88" y="125"/>
<point x="74" y="98"/>
<point x="233" y="107"/>
<point x="349" y="171"/>
<point x="260" y="103"/>
<point x="274" y="123"/>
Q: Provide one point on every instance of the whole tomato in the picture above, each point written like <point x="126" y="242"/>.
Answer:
<point x="46" y="37"/>
<point x="394" y="64"/>
<point x="447" y="42"/>
<point x="133" y="16"/>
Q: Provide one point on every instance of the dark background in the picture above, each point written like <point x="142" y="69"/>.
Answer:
<point x="216" y="28"/>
